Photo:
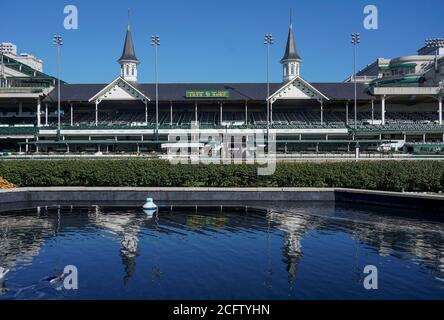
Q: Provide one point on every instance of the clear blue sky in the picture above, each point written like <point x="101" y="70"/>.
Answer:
<point x="217" y="41"/>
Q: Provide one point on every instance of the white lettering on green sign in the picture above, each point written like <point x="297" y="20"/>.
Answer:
<point x="207" y="94"/>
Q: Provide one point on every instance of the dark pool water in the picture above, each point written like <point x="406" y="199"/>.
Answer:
<point x="287" y="251"/>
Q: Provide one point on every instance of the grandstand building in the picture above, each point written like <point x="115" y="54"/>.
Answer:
<point x="399" y="107"/>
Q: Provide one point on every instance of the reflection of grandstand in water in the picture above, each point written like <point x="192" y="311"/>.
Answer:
<point x="23" y="235"/>
<point x="126" y="225"/>
<point x="423" y="241"/>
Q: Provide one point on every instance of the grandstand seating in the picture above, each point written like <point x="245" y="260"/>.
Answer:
<point x="400" y="121"/>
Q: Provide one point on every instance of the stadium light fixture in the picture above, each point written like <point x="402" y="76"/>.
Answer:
<point x="58" y="42"/>
<point x="356" y="39"/>
<point x="268" y="41"/>
<point x="435" y="43"/>
<point x="155" y="42"/>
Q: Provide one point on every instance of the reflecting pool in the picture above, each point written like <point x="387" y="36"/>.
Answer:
<point x="209" y="251"/>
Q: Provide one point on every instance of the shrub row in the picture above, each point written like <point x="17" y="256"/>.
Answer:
<point x="376" y="175"/>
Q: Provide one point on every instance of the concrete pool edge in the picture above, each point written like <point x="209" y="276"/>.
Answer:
<point x="430" y="202"/>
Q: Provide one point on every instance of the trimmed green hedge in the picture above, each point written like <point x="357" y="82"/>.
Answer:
<point x="376" y="175"/>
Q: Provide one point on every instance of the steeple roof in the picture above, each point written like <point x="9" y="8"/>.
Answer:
<point x="128" y="54"/>
<point x="291" y="52"/>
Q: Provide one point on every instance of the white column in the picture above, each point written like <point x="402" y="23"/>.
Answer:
<point x="195" y="112"/>
<point x="97" y="113"/>
<point x="146" y="112"/>
<point x="171" y="113"/>
<point x="39" y="105"/>
<point x="46" y="114"/>
<point x="271" y="111"/>
<point x="246" y="112"/>
<point x="27" y="145"/>
<point x="346" y="113"/>
<point x="221" y="112"/>
<point x="373" y="112"/>
<point x="322" y="111"/>
<point x="383" y="110"/>
<point x="72" y="114"/>
<point x="440" y="110"/>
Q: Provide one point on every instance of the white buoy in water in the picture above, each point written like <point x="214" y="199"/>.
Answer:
<point x="150" y="207"/>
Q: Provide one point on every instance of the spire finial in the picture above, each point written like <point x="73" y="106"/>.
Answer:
<point x="291" y="17"/>
<point x="129" y="19"/>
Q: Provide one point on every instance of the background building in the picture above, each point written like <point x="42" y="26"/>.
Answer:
<point x="10" y="50"/>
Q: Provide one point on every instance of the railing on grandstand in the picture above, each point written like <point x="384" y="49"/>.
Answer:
<point x="401" y="121"/>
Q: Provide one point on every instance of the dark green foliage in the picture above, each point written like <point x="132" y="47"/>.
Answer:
<point x="424" y="176"/>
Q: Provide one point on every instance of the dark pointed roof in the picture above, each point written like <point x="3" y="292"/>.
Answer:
<point x="128" y="54"/>
<point x="290" y="51"/>
<point x="176" y="92"/>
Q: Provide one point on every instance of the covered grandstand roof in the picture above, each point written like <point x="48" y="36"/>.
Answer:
<point x="237" y="91"/>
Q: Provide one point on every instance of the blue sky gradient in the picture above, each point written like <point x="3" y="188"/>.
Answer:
<point x="217" y="41"/>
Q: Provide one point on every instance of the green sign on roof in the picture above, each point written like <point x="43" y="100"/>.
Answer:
<point x="207" y="94"/>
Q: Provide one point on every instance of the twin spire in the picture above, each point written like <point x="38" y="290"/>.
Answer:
<point x="291" y="52"/>
<point x="128" y="54"/>
<point x="128" y="61"/>
<point x="290" y="61"/>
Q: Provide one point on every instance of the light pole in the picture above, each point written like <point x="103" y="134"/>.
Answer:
<point x="3" y="66"/>
<point x="155" y="42"/>
<point x="268" y="41"/>
<point x="58" y="42"/>
<point x="355" y="41"/>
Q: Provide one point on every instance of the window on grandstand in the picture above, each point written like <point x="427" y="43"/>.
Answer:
<point x="403" y="71"/>
<point x="410" y="70"/>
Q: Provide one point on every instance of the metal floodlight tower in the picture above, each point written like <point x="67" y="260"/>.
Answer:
<point x="356" y="39"/>
<point x="58" y="42"/>
<point x="155" y="42"/>
<point x="268" y="41"/>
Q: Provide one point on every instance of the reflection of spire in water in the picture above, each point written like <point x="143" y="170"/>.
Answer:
<point x="294" y="227"/>
<point x="127" y="226"/>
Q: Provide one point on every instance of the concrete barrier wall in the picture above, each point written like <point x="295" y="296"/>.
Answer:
<point x="434" y="203"/>
<point x="165" y="194"/>
<point x="83" y="194"/>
